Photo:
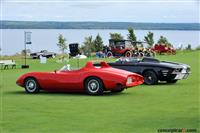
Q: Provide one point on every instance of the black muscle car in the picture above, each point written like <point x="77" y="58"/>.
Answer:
<point x="153" y="70"/>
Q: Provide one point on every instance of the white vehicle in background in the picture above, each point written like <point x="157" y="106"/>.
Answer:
<point x="43" y="53"/>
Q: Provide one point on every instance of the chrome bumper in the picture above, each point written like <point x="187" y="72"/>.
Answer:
<point x="182" y="75"/>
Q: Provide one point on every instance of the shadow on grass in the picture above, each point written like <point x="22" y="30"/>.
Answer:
<point x="46" y="93"/>
<point x="162" y="84"/>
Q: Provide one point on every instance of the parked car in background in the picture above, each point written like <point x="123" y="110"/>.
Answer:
<point x="74" y="49"/>
<point x="153" y="70"/>
<point x="162" y="48"/>
<point x="43" y="53"/>
<point x="126" y="48"/>
<point x="88" y="79"/>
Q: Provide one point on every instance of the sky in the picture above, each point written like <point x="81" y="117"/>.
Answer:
<point x="162" y="11"/>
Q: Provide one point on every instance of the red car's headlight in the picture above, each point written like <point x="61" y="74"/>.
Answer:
<point x="129" y="80"/>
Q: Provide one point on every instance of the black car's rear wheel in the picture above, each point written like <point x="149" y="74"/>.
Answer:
<point x="94" y="86"/>
<point x="150" y="78"/>
<point x="31" y="85"/>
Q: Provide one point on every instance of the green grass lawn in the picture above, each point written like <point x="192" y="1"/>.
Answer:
<point x="138" y="109"/>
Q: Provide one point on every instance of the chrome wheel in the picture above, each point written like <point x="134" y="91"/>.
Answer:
<point x="31" y="85"/>
<point x="93" y="86"/>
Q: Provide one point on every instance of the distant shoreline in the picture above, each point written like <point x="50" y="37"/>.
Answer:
<point x="97" y="25"/>
<point x="96" y="29"/>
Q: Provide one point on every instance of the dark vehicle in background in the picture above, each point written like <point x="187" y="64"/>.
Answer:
<point x="153" y="70"/>
<point x="126" y="48"/>
<point x="43" y="53"/>
<point x="74" y="49"/>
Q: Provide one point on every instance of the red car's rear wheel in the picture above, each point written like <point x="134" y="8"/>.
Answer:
<point x="31" y="85"/>
<point x="94" y="86"/>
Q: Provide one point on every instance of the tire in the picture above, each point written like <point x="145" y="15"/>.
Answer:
<point x="152" y="54"/>
<point x="169" y="52"/>
<point x="141" y="54"/>
<point x="31" y="85"/>
<point x="172" y="81"/>
<point x="109" y="54"/>
<point x="150" y="78"/>
<point x="94" y="86"/>
<point x="128" y="54"/>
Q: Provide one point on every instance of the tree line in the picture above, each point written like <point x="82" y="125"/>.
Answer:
<point x="96" y="44"/>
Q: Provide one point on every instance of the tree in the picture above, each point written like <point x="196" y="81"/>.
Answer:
<point x="88" y="46"/>
<point x="163" y="40"/>
<point x="188" y="47"/>
<point x="98" y="42"/>
<point x="149" y="39"/>
<point x="131" y="34"/>
<point x="116" y="36"/>
<point x="27" y="51"/>
<point x="62" y="43"/>
<point x="198" y="47"/>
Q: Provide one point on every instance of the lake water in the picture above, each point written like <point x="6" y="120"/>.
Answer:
<point x="12" y="40"/>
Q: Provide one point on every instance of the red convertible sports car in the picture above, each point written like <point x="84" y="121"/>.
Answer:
<point x="91" y="79"/>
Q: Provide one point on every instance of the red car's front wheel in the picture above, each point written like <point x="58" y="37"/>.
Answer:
<point x="94" y="86"/>
<point x="31" y="85"/>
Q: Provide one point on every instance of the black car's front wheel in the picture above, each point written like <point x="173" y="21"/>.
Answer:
<point x="94" y="86"/>
<point x="150" y="78"/>
<point x="31" y="85"/>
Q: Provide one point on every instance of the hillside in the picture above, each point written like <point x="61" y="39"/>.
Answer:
<point x="97" y="25"/>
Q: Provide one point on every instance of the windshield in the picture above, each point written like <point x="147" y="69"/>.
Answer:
<point x="129" y="59"/>
<point x="68" y="68"/>
<point x="65" y="68"/>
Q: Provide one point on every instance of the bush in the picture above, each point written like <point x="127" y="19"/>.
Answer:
<point x="188" y="47"/>
<point x="198" y="47"/>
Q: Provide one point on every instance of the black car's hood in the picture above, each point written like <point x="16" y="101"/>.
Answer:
<point x="173" y="64"/>
<point x="163" y="64"/>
